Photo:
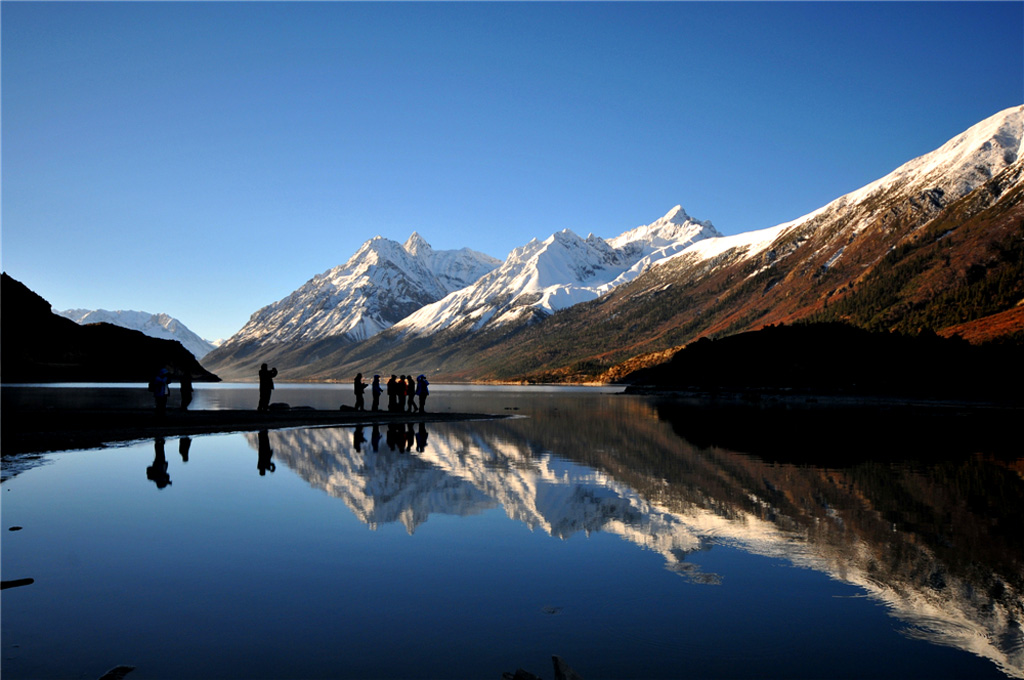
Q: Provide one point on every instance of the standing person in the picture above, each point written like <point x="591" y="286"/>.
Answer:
<point x="186" y="390"/>
<point x="161" y="390"/>
<point x="266" y="387"/>
<point x="376" y="390"/>
<point x="392" y="392"/>
<point x="422" y="391"/>
<point x="360" y="387"/>
<point x="410" y="392"/>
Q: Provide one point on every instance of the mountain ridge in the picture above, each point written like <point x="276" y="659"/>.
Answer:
<point x="40" y="346"/>
<point x="956" y="208"/>
<point x="154" y="325"/>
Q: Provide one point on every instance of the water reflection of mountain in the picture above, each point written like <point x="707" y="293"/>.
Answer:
<point x="938" y="544"/>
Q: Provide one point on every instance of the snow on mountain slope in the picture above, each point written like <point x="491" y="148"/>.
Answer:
<point x="383" y="282"/>
<point x="154" y="325"/>
<point x="949" y="173"/>
<point x="563" y="270"/>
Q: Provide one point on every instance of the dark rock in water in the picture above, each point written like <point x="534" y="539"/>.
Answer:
<point x="15" y="529"/>
<point x="117" y="672"/>
<point x="520" y="674"/>
<point x="563" y="671"/>
<point x="16" y="583"/>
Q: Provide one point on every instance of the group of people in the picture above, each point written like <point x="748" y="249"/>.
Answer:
<point x="403" y="393"/>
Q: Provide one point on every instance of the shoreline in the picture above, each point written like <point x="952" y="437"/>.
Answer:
<point x="66" y="429"/>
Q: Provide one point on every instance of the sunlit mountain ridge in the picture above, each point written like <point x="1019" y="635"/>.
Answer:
<point x="934" y="245"/>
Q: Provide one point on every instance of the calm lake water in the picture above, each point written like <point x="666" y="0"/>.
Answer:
<point x="633" y="537"/>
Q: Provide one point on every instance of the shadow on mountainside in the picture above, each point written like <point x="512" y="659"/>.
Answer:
<point x="838" y="359"/>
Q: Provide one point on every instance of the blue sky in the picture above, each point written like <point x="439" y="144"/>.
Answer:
<point x="206" y="159"/>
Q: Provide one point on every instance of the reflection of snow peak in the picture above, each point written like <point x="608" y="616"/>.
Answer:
<point x="463" y="473"/>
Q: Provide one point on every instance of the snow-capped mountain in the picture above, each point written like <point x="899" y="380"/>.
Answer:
<point x="154" y="325"/>
<point x="382" y="283"/>
<point x="902" y="253"/>
<point x="563" y="270"/>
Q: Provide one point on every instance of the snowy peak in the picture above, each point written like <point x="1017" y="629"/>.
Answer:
<point x="542" y="277"/>
<point x="154" y="325"/>
<point x="415" y="245"/>
<point x="383" y="282"/>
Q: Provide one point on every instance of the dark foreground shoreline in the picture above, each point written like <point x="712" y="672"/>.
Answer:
<point x="62" y="429"/>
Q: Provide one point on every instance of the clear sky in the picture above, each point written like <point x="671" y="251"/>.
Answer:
<point x="206" y="159"/>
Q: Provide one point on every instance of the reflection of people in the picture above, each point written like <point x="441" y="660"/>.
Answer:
<point x="396" y="437"/>
<point x="265" y="454"/>
<point x="161" y="391"/>
<point x="184" y="444"/>
<point x="358" y="438"/>
<point x="410" y="437"/>
<point x="375" y="390"/>
<point x="266" y="387"/>
<point x="157" y="472"/>
<point x="421" y="438"/>
<point x="360" y="387"/>
<point x="375" y="437"/>
<point x="186" y="390"/>
<point x="422" y="391"/>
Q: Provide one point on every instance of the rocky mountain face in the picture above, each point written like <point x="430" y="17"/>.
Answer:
<point x="533" y="282"/>
<point x="543" y="277"/>
<point x="153" y="325"/>
<point x="383" y="282"/>
<point x="937" y="244"/>
<point x="40" y="346"/>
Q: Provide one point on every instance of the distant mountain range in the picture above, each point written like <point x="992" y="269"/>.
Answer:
<point x="938" y="244"/>
<point x="153" y="325"/>
<point x="40" y="346"/>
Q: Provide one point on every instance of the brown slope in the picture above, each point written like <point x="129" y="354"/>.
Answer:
<point x="908" y="263"/>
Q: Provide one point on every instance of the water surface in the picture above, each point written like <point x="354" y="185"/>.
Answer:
<point x="634" y="538"/>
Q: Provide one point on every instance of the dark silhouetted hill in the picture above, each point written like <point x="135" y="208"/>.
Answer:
<point x="37" y="345"/>
<point x="835" y="358"/>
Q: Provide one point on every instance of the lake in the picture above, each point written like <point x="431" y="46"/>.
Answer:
<point x="632" y="536"/>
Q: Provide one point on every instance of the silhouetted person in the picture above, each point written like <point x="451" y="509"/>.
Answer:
<point x="161" y="390"/>
<point x="410" y="393"/>
<point x="266" y="387"/>
<point x="184" y="444"/>
<point x="375" y="437"/>
<point x="392" y="393"/>
<point x="157" y="472"/>
<point x="358" y="439"/>
<point x="264" y="453"/>
<point x="422" y="392"/>
<point x="359" y="387"/>
<point x="421" y="438"/>
<point x="186" y="390"/>
<point x="375" y="391"/>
